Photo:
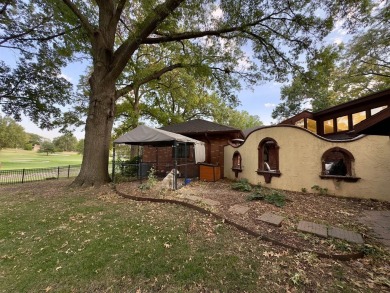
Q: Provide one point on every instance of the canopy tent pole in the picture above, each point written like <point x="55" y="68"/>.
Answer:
<point x="140" y="163"/>
<point x="113" y="163"/>
<point x="175" y="165"/>
<point x="186" y="161"/>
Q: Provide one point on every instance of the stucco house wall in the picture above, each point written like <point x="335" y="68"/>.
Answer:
<point x="300" y="153"/>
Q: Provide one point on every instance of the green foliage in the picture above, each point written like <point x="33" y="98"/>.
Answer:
<point x="269" y="195"/>
<point x="322" y="191"/>
<point x="276" y="198"/>
<point x="337" y="74"/>
<point x="28" y="147"/>
<point x="242" y="185"/>
<point x="234" y="118"/>
<point x="12" y="135"/>
<point x="80" y="146"/>
<point x="372" y="250"/>
<point x="304" y="190"/>
<point x="65" y="143"/>
<point x="47" y="147"/>
<point x="151" y="182"/>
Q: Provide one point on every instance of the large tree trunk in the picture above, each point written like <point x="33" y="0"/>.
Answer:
<point x="94" y="168"/>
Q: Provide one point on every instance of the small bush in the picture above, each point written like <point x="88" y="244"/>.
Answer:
<point x="242" y="185"/>
<point x="304" y="190"/>
<point x="276" y="198"/>
<point x="152" y="181"/>
<point x="322" y="191"/>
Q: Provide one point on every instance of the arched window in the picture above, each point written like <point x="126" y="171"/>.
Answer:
<point x="268" y="155"/>
<point x="268" y="164"/>
<point x="237" y="163"/>
<point x="338" y="163"/>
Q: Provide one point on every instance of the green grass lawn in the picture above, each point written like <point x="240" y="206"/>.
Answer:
<point x="57" y="239"/>
<point x="12" y="159"/>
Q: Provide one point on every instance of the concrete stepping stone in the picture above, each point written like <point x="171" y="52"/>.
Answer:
<point x="210" y="202"/>
<point x="272" y="219"/>
<point x="317" y="229"/>
<point x="345" y="235"/>
<point x="239" y="209"/>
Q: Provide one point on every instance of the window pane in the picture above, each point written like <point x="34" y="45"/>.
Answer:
<point x="342" y="123"/>
<point x="300" y="123"/>
<point x="358" y="117"/>
<point x="328" y="126"/>
<point x="312" y="125"/>
<point x="377" y="110"/>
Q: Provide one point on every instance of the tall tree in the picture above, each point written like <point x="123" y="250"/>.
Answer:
<point x="336" y="74"/>
<point x="65" y="143"/>
<point x="112" y="31"/>
<point x="12" y="135"/>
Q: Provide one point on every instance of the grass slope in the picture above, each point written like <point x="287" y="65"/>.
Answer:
<point x="56" y="239"/>
<point x="12" y="159"/>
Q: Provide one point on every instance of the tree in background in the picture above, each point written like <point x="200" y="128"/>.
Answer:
<point x="35" y="139"/>
<point x="65" y="143"/>
<point x="337" y="74"/>
<point x="12" y="135"/>
<point x="80" y="146"/>
<point x="47" y="147"/>
<point x="237" y="119"/>
<point x="112" y="32"/>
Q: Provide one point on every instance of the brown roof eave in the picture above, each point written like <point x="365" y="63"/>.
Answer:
<point x="353" y="103"/>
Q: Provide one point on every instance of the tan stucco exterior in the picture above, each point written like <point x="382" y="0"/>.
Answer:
<point x="300" y="153"/>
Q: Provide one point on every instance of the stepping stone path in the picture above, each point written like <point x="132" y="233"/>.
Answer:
<point x="317" y="229"/>
<point x="238" y="209"/>
<point x="345" y="235"/>
<point x="323" y="231"/>
<point x="272" y="219"/>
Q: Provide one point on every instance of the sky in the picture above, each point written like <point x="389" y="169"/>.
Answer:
<point x="260" y="100"/>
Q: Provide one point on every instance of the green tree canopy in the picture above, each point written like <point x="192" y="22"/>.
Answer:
<point x="12" y="135"/>
<point x="337" y="74"/>
<point x="47" y="147"/>
<point x="65" y="143"/>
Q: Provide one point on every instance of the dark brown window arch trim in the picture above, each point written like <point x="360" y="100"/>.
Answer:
<point x="351" y="158"/>
<point x="236" y="169"/>
<point x="260" y="171"/>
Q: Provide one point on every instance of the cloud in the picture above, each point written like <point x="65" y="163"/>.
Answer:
<point x="217" y="13"/>
<point x="68" y="78"/>
<point x="269" y="105"/>
<point x="337" y="41"/>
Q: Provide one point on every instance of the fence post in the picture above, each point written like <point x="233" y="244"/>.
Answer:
<point x="23" y="176"/>
<point x="58" y="173"/>
<point x="68" y="170"/>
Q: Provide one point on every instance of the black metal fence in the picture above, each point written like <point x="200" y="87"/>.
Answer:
<point x="29" y="175"/>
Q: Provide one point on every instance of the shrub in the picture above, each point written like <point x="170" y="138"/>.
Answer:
<point x="152" y="181"/>
<point x="321" y="190"/>
<point x="242" y="185"/>
<point x="276" y="198"/>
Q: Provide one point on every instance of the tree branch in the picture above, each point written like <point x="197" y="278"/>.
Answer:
<point x="123" y="54"/>
<point x="84" y="21"/>
<point x="147" y="79"/>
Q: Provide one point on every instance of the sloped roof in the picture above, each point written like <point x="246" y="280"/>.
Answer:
<point x="151" y="136"/>
<point x="198" y="126"/>
<point x="248" y="131"/>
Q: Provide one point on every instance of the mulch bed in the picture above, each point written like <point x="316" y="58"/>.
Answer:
<point x="321" y="209"/>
